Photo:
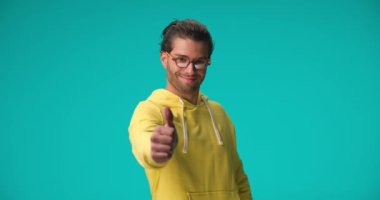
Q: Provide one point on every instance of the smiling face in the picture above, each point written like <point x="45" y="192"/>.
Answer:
<point x="185" y="82"/>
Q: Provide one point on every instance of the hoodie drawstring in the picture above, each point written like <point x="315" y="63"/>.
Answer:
<point x="184" y="125"/>
<point x="213" y="121"/>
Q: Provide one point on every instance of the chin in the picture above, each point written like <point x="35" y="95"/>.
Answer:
<point x="192" y="89"/>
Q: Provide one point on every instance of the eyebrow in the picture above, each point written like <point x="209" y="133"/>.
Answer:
<point x="176" y="54"/>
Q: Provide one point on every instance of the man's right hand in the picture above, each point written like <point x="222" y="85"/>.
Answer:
<point x="164" y="139"/>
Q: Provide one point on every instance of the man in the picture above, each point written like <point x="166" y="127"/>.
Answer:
<point x="185" y="142"/>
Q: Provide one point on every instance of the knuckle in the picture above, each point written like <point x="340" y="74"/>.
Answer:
<point x="158" y="129"/>
<point x="167" y="148"/>
<point x="171" y="130"/>
<point x="170" y="140"/>
<point x="153" y="138"/>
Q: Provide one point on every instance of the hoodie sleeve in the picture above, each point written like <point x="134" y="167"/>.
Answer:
<point x="242" y="180"/>
<point x="143" y="122"/>
<point x="240" y="176"/>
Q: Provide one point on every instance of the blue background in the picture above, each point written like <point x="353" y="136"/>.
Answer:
<point x="300" y="79"/>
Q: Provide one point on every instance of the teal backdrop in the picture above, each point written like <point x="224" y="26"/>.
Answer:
<point x="300" y="79"/>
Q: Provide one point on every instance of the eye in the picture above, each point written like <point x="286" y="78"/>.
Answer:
<point x="200" y="62"/>
<point x="182" y="59"/>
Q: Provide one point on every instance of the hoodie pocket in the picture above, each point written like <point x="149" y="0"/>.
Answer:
<point x="216" y="195"/>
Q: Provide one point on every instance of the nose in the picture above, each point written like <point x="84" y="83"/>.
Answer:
<point x="190" y="68"/>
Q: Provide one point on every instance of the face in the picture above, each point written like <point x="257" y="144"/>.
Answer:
<point x="184" y="80"/>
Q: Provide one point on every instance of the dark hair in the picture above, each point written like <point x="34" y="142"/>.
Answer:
<point x="188" y="28"/>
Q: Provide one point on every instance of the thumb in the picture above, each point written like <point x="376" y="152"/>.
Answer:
<point x="168" y="117"/>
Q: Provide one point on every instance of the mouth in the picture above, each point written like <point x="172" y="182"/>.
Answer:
<point x="188" y="79"/>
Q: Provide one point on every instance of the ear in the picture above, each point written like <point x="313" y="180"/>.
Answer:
<point x="164" y="59"/>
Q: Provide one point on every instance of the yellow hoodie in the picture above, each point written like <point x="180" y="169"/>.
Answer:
<point x="205" y="164"/>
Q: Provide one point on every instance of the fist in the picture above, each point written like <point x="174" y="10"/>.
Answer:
<point x="164" y="139"/>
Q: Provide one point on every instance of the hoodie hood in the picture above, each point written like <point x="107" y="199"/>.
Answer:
<point x="165" y="98"/>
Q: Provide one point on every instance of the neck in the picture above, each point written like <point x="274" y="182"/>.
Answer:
<point x="191" y="97"/>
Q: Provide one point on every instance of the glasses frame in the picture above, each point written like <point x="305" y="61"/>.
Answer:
<point x="196" y="66"/>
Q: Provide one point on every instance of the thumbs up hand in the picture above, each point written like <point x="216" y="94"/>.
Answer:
<point x="164" y="139"/>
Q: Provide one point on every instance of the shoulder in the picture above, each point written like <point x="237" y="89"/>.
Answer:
<point x="216" y="106"/>
<point x="218" y="110"/>
<point x="148" y="110"/>
<point x="148" y="105"/>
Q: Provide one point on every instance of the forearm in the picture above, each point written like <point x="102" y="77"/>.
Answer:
<point x="141" y="147"/>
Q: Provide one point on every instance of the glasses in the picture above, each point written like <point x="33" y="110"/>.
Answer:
<point x="184" y="61"/>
